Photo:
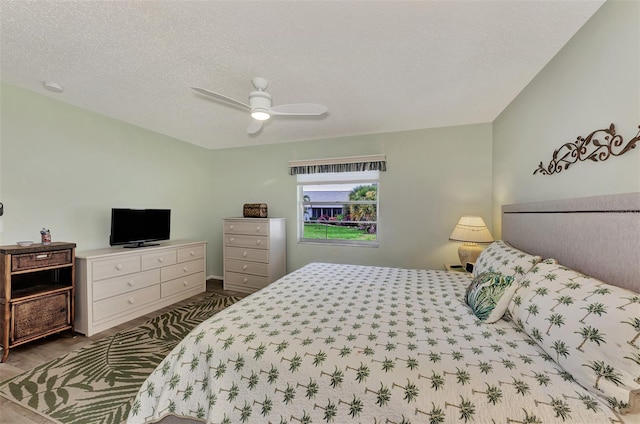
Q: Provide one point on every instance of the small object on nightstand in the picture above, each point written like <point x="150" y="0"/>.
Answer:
<point x="46" y="236"/>
<point x="470" y="266"/>
<point x="452" y="267"/>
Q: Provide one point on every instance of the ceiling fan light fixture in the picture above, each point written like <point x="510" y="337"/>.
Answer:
<point x="260" y="105"/>
<point x="260" y="115"/>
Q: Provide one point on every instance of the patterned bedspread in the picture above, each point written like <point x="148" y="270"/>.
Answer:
<point x="346" y="343"/>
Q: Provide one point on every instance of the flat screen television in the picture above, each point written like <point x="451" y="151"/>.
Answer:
<point x="138" y="227"/>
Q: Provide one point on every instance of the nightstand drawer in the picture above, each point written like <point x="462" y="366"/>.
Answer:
<point x="28" y="261"/>
<point x="247" y="227"/>
<point x="40" y="315"/>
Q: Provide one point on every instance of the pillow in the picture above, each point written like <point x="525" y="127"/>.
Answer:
<point x="489" y="294"/>
<point x="590" y="328"/>
<point x="505" y="259"/>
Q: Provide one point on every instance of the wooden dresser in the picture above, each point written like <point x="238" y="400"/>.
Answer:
<point x="254" y="252"/>
<point x="37" y="292"/>
<point x="115" y="285"/>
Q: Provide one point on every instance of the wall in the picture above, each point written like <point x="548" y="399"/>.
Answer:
<point x="64" y="168"/>
<point x="592" y="82"/>
<point x="434" y="176"/>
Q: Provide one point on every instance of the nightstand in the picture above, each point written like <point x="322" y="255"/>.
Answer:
<point x="37" y="295"/>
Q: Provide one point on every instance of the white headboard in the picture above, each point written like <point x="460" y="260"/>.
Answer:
<point x="597" y="236"/>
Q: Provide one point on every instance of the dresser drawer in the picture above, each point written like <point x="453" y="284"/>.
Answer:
<point x="256" y="242"/>
<point x="246" y="227"/>
<point x="190" y="253"/>
<point x="119" y="285"/>
<point x="256" y="255"/>
<point x="180" y="285"/>
<point x="37" y="260"/>
<point x="158" y="259"/>
<point x="123" y="303"/>
<point x="247" y="267"/>
<point x="244" y="281"/>
<point x="181" y="269"/>
<point x="115" y="267"/>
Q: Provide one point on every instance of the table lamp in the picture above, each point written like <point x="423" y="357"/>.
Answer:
<point x="471" y="231"/>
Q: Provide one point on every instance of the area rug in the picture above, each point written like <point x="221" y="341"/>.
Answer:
<point x="98" y="383"/>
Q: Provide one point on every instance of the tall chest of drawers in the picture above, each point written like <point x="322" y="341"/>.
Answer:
<point x="115" y="285"/>
<point x="254" y="252"/>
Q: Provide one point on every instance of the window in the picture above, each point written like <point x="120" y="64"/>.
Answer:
<point x="339" y="208"/>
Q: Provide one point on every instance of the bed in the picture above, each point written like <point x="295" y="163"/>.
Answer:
<point x="348" y="343"/>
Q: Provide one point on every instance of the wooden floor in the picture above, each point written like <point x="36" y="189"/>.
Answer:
<point x="27" y="356"/>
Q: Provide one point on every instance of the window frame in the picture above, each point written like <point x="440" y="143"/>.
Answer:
<point x="357" y="178"/>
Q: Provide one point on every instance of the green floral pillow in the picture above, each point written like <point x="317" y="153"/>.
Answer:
<point x="489" y="294"/>
<point x="505" y="259"/>
<point x="590" y="328"/>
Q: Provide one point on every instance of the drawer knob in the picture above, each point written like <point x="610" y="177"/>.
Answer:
<point x="244" y="254"/>
<point x="131" y="300"/>
<point x="246" y="280"/>
<point x="244" y="267"/>
<point x="161" y="260"/>
<point x="43" y="256"/>
<point x="231" y="227"/>
<point x="185" y="269"/>
<point x="258" y="229"/>
<point x="192" y="253"/>
<point x="131" y="283"/>
<point x="119" y="267"/>
<point x="258" y="242"/>
<point x="185" y="283"/>
<point x="231" y="240"/>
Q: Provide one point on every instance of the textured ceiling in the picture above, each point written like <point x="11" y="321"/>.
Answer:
<point x="378" y="66"/>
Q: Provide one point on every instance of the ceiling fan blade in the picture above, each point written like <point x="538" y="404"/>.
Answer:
<point x="299" y="109"/>
<point x="254" y="126"/>
<point x="221" y="97"/>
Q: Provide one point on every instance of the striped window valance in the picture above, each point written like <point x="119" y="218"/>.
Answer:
<point x="347" y="164"/>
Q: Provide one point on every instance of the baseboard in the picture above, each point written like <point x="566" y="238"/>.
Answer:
<point x="214" y="277"/>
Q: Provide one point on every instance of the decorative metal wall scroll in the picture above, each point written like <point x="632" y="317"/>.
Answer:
<point x="589" y="148"/>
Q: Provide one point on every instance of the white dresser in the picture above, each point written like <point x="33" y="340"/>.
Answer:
<point x="115" y="285"/>
<point x="254" y="252"/>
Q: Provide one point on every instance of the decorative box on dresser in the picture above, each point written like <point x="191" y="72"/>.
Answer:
<point x="254" y="251"/>
<point x="37" y="287"/>
<point x="115" y="284"/>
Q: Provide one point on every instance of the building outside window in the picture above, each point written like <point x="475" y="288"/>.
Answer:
<point x="339" y="208"/>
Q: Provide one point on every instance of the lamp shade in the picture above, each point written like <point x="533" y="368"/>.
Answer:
<point x="471" y="229"/>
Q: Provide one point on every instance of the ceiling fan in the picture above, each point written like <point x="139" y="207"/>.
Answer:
<point x="260" y="105"/>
